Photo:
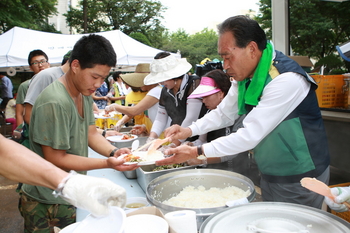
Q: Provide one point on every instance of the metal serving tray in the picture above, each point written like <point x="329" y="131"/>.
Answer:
<point x="145" y="174"/>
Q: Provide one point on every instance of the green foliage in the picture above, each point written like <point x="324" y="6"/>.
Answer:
<point x="141" y="38"/>
<point x="316" y="27"/>
<point x="333" y="64"/>
<point x="194" y="47"/>
<point x="30" y="14"/>
<point x="128" y="16"/>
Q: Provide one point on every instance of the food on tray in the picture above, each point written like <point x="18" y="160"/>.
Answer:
<point x="142" y="156"/>
<point x="191" y="197"/>
<point x="165" y="167"/>
<point x="127" y="137"/>
<point x="132" y="158"/>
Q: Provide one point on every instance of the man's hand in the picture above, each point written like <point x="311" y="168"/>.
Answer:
<point x="177" y="132"/>
<point x="93" y="194"/>
<point x="122" y="151"/>
<point x="112" y="133"/>
<point x="179" y="154"/>
<point x="117" y="161"/>
<point x="138" y="129"/>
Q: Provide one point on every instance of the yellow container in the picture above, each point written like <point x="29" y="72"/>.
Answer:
<point x="332" y="91"/>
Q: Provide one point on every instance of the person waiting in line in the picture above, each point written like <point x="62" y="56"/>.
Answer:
<point x="62" y="129"/>
<point x="283" y="123"/>
<point x="6" y="89"/>
<point x="100" y="96"/>
<point x="171" y="72"/>
<point x="118" y="90"/>
<point x="37" y="61"/>
<point x="144" y="112"/>
<point x="10" y="112"/>
<point x="36" y="86"/>
<point x="41" y="81"/>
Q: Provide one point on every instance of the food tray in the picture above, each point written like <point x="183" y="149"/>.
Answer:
<point x="145" y="174"/>
<point x="343" y="215"/>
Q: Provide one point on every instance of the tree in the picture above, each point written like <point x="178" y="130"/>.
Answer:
<point x="194" y="47"/>
<point x="140" y="37"/>
<point x="316" y="27"/>
<point x="31" y="14"/>
<point x="128" y="16"/>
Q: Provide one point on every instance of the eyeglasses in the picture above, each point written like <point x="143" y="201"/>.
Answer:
<point x="42" y="62"/>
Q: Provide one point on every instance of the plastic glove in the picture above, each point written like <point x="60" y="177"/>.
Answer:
<point x="109" y="108"/>
<point x="119" y="125"/>
<point x="92" y="194"/>
<point x="165" y="147"/>
<point x="110" y="133"/>
<point x="138" y="129"/>
<point x="341" y="194"/>
<point x="187" y="143"/>
<point x="195" y="161"/>
<point x="149" y="139"/>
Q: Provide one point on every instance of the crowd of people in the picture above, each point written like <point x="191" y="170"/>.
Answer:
<point x="264" y="102"/>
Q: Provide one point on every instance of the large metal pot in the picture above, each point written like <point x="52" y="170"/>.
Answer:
<point x="274" y="217"/>
<point x="166" y="186"/>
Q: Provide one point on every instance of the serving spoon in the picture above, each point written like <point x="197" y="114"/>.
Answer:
<point x="319" y="187"/>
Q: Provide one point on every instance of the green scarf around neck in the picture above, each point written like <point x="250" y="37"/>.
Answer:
<point x="252" y="94"/>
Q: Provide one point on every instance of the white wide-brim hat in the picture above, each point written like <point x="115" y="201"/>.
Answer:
<point x="167" y="68"/>
<point x="206" y="87"/>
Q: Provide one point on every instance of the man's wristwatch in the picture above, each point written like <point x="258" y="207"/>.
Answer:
<point x="112" y="153"/>
<point x="200" y="153"/>
<point x="104" y="133"/>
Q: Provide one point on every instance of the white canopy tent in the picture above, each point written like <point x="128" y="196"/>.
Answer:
<point x="16" y="44"/>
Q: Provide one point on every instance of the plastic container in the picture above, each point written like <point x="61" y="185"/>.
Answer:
<point x="332" y="91"/>
<point x="113" y="223"/>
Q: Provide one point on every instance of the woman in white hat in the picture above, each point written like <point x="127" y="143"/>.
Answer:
<point x="143" y="98"/>
<point x="171" y="72"/>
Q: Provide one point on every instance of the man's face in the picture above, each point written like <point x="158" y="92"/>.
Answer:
<point x="88" y="80"/>
<point x="38" y="63"/>
<point x="238" y="62"/>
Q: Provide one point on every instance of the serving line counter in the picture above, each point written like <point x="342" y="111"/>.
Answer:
<point x="131" y="186"/>
<point x="242" y="164"/>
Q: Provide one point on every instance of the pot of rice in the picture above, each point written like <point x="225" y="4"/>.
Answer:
<point x="205" y="191"/>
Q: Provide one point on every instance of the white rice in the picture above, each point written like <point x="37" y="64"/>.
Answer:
<point x="191" y="197"/>
<point x="157" y="155"/>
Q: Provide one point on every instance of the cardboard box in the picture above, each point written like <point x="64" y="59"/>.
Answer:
<point x="150" y="210"/>
<point x="303" y="61"/>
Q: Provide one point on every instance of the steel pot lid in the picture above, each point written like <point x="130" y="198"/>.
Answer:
<point x="274" y="217"/>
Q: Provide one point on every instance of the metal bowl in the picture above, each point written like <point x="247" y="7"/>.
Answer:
<point x="166" y="186"/>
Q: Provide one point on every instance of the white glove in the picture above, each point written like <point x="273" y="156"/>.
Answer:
<point x="341" y="194"/>
<point x="138" y="129"/>
<point x="166" y="147"/>
<point x="109" y="108"/>
<point x="119" y="125"/>
<point x="91" y="193"/>
<point x="149" y="139"/>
